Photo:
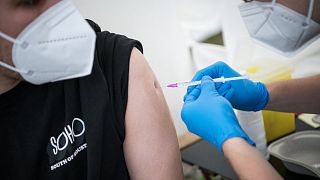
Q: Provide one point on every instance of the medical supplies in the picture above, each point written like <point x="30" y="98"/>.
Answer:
<point x="252" y="123"/>
<point x="277" y="124"/>
<point x="194" y="83"/>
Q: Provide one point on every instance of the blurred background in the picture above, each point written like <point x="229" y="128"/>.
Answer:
<point x="165" y="28"/>
<point x="182" y="36"/>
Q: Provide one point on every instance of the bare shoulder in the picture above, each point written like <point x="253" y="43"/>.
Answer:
<point x="151" y="146"/>
<point x="140" y="71"/>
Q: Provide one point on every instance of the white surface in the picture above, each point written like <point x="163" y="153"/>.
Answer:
<point x="204" y="55"/>
<point x="199" y="19"/>
<point x="252" y="123"/>
<point x="156" y="25"/>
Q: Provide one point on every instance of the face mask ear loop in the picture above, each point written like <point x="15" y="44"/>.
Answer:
<point x="13" y="68"/>
<point x="310" y="12"/>
<point x="308" y="20"/>
<point x="10" y="39"/>
<point x="273" y="3"/>
<point x="268" y="16"/>
<point x="6" y="37"/>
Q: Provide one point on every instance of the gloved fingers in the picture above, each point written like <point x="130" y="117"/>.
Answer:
<point x="208" y="71"/>
<point x="218" y="85"/>
<point x="198" y="76"/>
<point x="208" y="86"/>
<point x="223" y="69"/>
<point x="229" y="94"/>
<point x="193" y="95"/>
<point x="224" y="88"/>
<point x="185" y="97"/>
<point x="189" y="90"/>
<point x="216" y="70"/>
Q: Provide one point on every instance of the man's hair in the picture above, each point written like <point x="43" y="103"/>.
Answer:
<point x="27" y="2"/>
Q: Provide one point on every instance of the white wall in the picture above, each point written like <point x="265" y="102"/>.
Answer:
<point x="156" y="25"/>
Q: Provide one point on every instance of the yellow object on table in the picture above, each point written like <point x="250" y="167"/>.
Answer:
<point x="276" y="124"/>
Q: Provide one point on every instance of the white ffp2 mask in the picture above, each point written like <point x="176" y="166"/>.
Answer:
<point x="279" y="27"/>
<point x="58" y="45"/>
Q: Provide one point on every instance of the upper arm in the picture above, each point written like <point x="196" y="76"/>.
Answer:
<point x="150" y="147"/>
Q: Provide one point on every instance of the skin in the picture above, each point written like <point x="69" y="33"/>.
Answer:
<point x="20" y="17"/>
<point x="301" y="6"/>
<point x="247" y="162"/>
<point x="151" y="147"/>
<point x="297" y="95"/>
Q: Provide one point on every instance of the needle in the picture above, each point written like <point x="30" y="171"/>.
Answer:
<point x="194" y="83"/>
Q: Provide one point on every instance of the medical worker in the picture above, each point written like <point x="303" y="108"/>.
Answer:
<point x="208" y="108"/>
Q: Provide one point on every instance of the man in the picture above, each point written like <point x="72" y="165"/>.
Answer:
<point x="208" y="108"/>
<point x="78" y="103"/>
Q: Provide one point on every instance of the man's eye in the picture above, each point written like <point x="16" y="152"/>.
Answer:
<point x="27" y="2"/>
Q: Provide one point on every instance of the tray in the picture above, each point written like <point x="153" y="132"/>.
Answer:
<point x="300" y="152"/>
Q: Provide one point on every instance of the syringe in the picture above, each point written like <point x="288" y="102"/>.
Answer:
<point x="194" y="83"/>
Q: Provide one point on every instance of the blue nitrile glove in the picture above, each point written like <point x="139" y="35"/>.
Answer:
<point x="210" y="116"/>
<point x="244" y="94"/>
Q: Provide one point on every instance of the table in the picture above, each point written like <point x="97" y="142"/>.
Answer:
<point x="210" y="160"/>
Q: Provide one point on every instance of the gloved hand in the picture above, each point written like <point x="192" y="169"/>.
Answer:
<point x="210" y="115"/>
<point x="244" y="94"/>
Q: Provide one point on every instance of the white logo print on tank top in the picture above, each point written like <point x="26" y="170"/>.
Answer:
<point x="63" y="148"/>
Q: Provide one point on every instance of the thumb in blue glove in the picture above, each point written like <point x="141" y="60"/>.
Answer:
<point x="242" y="94"/>
<point x="210" y="116"/>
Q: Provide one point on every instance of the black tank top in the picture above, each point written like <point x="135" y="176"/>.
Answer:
<point x="72" y="129"/>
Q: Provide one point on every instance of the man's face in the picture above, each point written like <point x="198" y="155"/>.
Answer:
<point x="301" y="6"/>
<point x="15" y="15"/>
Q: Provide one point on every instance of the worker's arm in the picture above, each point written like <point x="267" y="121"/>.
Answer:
<point x="247" y="162"/>
<point x="151" y="146"/>
<point x="298" y="95"/>
<point x="209" y="115"/>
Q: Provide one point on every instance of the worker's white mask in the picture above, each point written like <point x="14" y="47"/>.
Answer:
<point x="279" y="27"/>
<point x="58" y="45"/>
